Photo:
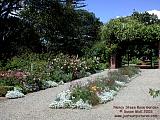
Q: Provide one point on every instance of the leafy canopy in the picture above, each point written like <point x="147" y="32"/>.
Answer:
<point x="139" y="27"/>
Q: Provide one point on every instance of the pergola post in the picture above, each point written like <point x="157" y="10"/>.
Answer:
<point x="159" y="55"/>
<point x="113" y="61"/>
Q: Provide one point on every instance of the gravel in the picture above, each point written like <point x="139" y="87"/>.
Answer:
<point x="35" y="106"/>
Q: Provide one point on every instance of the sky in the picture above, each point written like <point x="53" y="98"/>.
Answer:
<point x="108" y="9"/>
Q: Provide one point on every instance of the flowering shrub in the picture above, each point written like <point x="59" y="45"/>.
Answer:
<point x="78" y="67"/>
<point x="93" y="64"/>
<point x="69" y="65"/>
<point x="86" y="94"/>
<point x="35" y="70"/>
<point x="58" y="75"/>
<point x="93" y="92"/>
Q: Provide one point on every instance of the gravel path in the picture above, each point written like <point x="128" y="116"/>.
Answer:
<point x="35" y="105"/>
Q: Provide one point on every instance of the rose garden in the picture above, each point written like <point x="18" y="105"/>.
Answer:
<point x="54" y="44"/>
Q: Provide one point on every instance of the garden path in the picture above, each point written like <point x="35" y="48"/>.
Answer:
<point x="35" y="105"/>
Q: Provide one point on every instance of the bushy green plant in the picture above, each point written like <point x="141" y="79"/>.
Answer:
<point x="135" y="60"/>
<point x="9" y="81"/>
<point x="33" y="84"/>
<point x="1" y="65"/>
<point x="17" y="63"/>
<point x="117" y="76"/>
<point x="39" y="69"/>
<point x="85" y="94"/>
<point x="130" y="71"/>
<point x="93" y="64"/>
<point x="4" y="89"/>
<point x="69" y="65"/>
<point x="58" y="75"/>
<point x="99" y="50"/>
<point x="90" y="91"/>
<point x="154" y="93"/>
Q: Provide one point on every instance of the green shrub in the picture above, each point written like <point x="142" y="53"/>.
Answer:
<point x="117" y="76"/>
<point x="9" y="81"/>
<point x="130" y="71"/>
<point x="93" y="64"/>
<point x="17" y="63"/>
<point x="33" y="84"/>
<point x="85" y="94"/>
<point x="39" y="69"/>
<point x="89" y="91"/>
<point x="135" y="60"/>
<point x="154" y="93"/>
<point x="99" y="50"/>
<point x="4" y="89"/>
<point x="58" y="75"/>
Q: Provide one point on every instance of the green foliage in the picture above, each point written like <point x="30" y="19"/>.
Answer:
<point x="131" y="34"/>
<point x="38" y="69"/>
<point x="146" y="18"/>
<point x="44" y="67"/>
<point x="85" y="94"/>
<point x="93" y="64"/>
<point x="99" y="49"/>
<point x="4" y="89"/>
<point x="130" y="71"/>
<point x="17" y="37"/>
<point x="117" y="76"/>
<point x="16" y="63"/>
<point x="135" y="61"/>
<point x="89" y="92"/>
<point x="62" y="29"/>
<point x="58" y="75"/>
<point x="9" y="81"/>
<point x="33" y="84"/>
<point x="154" y="93"/>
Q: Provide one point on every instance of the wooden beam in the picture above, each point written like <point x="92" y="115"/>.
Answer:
<point x="113" y="61"/>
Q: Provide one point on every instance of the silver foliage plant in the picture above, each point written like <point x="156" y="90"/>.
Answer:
<point x="107" y="96"/>
<point x="63" y="101"/>
<point x="51" y="84"/>
<point x="16" y="93"/>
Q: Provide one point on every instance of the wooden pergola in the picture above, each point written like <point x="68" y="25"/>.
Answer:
<point x="114" y="61"/>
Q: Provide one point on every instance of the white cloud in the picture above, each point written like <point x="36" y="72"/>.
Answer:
<point x="155" y="12"/>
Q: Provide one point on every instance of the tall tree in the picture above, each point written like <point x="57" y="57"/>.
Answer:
<point x="9" y="7"/>
<point x="145" y="18"/>
<point x="15" y="34"/>
<point x="62" y="28"/>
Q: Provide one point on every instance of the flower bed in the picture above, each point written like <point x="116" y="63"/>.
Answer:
<point x="98" y="91"/>
<point x="36" y="73"/>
